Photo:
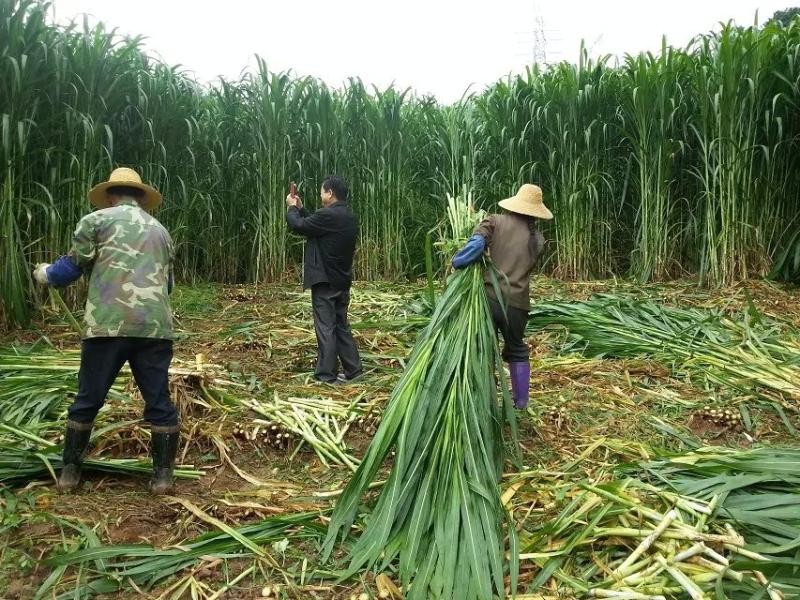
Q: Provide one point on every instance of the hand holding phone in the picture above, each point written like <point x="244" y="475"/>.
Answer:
<point x="293" y="199"/>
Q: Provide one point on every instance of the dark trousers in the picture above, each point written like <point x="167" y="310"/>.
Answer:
<point x="511" y="326"/>
<point x="334" y="337"/>
<point x="101" y="361"/>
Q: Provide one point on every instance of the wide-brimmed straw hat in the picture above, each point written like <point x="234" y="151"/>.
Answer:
<point x="128" y="178"/>
<point x="528" y="201"/>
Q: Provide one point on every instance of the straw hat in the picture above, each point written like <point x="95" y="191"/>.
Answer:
<point x="128" y="178"/>
<point x="528" y="201"/>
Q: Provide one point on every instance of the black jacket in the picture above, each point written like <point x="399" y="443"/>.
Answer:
<point x="331" y="234"/>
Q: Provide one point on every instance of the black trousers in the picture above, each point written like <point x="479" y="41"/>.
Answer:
<point x="101" y="361"/>
<point x="334" y="338"/>
<point x="511" y="326"/>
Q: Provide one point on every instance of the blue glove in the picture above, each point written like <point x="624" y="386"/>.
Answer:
<point x="63" y="272"/>
<point x="471" y="252"/>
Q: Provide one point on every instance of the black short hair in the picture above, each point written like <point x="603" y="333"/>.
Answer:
<point x="337" y="186"/>
<point x="124" y="190"/>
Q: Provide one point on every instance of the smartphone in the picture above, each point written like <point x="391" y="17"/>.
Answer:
<point x="293" y="189"/>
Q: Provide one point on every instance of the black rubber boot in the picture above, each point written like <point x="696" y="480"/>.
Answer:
<point x="163" y="447"/>
<point x="76" y="441"/>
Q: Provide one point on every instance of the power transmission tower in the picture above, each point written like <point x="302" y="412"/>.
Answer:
<point x="537" y="45"/>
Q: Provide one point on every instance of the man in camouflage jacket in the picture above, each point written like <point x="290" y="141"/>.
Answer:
<point x="127" y="256"/>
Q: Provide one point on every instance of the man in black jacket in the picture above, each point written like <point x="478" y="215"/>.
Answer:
<point x="331" y="234"/>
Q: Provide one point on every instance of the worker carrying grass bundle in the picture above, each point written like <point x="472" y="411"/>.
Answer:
<point x="127" y="255"/>
<point x="331" y="234"/>
<point x="514" y="242"/>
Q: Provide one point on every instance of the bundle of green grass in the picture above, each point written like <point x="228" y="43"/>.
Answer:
<point x="440" y="516"/>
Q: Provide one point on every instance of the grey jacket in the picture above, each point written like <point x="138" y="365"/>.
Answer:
<point x="507" y="237"/>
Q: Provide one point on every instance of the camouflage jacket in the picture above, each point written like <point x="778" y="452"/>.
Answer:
<point x="128" y="256"/>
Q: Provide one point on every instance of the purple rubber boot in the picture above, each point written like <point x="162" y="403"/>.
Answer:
<point x="520" y="382"/>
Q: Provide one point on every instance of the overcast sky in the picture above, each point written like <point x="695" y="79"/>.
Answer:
<point x="435" y="46"/>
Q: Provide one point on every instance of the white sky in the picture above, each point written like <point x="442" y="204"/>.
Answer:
<point x="435" y="46"/>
